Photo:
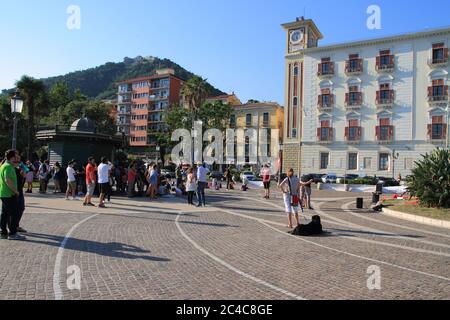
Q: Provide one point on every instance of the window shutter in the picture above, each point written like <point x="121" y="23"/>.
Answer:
<point x="445" y="90"/>
<point x="330" y="134"/>
<point x="391" y="60"/>
<point x="377" y="132"/>
<point x="320" y="100"/>
<point x="392" y="95"/>
<point x="391" y="132"/>
<point x="430" y="91"/>
<point x="347" y="96"/>
<point x="359" y="133"/>
<point x="429" y="130"/>
<point x="319" y="131"/>
<point x="346" y="132"/>
<point x="331" y="99"/>
<point x="446" y="53"/>
<point x="331" y="67"/>
<point x="319" y="69"/>
<point x="378" y="96"/>
<point x="378" y="61"/>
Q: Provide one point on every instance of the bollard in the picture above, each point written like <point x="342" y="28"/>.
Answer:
<point x="359" y="203"/>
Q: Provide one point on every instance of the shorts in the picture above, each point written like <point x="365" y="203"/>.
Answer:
<point x="290" y="209"/>
<point x="90" y="189"/>
<point x="104" y="187"/>
<point x="306" y="191"/>
<point x="267" y="185"/>
<point x="72" y="186"/>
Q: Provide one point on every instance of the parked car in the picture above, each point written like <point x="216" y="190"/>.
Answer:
<point x="347" y="178"/>
<point x="248" y="174"/>
<point x="329" y="179"/>
<point x="317" y="177"/>
<point x="388" y="182"/>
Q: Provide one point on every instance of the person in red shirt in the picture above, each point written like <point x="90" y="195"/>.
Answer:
<point x="265" y="172"/>
<point x="90" y="182"/>
<point x="131" y="179"/>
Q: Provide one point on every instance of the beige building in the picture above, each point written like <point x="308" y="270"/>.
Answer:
<point x="368" y="107"/>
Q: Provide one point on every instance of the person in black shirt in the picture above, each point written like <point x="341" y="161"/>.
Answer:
<point x="20" y="173"/>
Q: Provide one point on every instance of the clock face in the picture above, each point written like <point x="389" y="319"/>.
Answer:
<point x="296" y="37"/>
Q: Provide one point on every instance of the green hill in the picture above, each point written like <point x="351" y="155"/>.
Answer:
<point x="100" y="82"/>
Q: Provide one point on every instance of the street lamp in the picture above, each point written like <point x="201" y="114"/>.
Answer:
<point x="16" y="108"/>
<point x="395" y="156"/>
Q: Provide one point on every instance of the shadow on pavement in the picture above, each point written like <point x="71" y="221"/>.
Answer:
<point x="112" y="249"/>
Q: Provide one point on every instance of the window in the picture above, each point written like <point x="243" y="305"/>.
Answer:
<point x="326" y="67"/>
<point x="385" y="57"/>
<point x="383" y="162"/>
<point x="367" y="163"/>
<point x="354" y="131"/>
<point x="248" y="119"/>
<point x="440" y="53"/>
<point x="352" y="161"/>
<point x="232" y="120"/>
<point x="437" y="128"/>
<point x="324" y="161"/>
<point x="295" y="71"/>
<point x="266" y="119"/>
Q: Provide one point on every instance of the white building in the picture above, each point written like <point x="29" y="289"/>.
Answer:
<point x="370" y="107"/>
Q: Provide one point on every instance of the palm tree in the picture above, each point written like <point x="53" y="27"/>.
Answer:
<point x="31" y="89"/>
<point x="194" y="92"/>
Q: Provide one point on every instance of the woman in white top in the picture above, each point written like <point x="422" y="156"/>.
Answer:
<point x="290" y="188"/>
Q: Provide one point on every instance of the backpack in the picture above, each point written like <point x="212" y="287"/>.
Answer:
<point x="311" y="229"/>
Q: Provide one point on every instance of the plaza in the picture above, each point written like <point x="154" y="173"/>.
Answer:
<point x="238" y="247"/>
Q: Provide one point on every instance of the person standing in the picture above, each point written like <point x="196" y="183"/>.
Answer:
<point x="20" y="174"/>
<point x="30" y="177"/>
<point x="9" y="194"/>
<point x="179" y="176"/>
<point x="265" y="172"/>
<point x="71" y="181"/>
<point x="190" y="186"/>
<point x="103" y="181"/>
<point x="228" y="177"/>
<point x="306" y="190"/>
<point x="131" y="179"/>
<point x="90" y="182"/>
<point x="202" y="171"/>
<point x="153" y="181"/>
<point x="44" y="172"/>
<point x="290" y="188"/>
<point x="57" y="175"/>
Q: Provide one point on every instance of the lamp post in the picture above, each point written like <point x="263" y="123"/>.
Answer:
<point x="280" y="159"/>
<point x="394" y="157"/>
<point x="446" y="137"/>
<point x="16" y="108"/>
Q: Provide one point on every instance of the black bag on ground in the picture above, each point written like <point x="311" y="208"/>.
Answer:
<point x="311" y="229"/>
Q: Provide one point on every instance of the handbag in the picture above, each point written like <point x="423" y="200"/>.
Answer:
<point x="294" y="198"/>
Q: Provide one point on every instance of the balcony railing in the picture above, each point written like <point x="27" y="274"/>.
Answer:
<point x="325" y="72"/>
<point x="353" y="134"/>
<point x="353" y="67"/>
<point x="385" y="134"/>
<point x="438" y="62"/>
<point x="266" y="124"/>
<point x="325" y="138"/>
<point x="385" y="101"/>
<point x="385" y="66"/>
<point x="438" y="99"/>
<point x="325" y="104"/>
<point x="353" y="101"/>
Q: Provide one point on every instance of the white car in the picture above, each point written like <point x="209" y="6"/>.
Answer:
<point x="329" y="179"/>
<point x="248" y="175"/>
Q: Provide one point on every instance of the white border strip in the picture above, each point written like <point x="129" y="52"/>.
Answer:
<point x="417" y="219"/>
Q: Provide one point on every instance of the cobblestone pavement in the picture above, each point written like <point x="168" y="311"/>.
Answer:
<point x="235" y="248"/>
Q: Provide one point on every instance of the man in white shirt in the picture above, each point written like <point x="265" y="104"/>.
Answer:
<point x="202" y="171"/>
<point x="291" y="188"/>
<point x="103" y="180"/>
<point x="71" y="181"/>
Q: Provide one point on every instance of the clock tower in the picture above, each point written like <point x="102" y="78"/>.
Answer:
<point x="300" y="35"/>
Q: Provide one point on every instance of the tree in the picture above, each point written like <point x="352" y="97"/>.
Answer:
<point x="33" y="92"/>
<point x="215" y="115"/>
<point x="194" y="92"/>
<point x="430" y="180"/>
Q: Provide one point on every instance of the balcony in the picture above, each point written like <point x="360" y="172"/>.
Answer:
<point x="385" y="64"/>
<point x="353" y="135"/>
<point x="438" y="135"/>
<point x="354" y="67"/>
<point x="325" y="102"/>
<point x="265" y="124"/>
<point x="124" y="112"/>
<point x="384" y="134"/>
<point x="384" y="101"/>
<point x="437" y="100"/>
<point x="325" y="135"/>
<point x="326" y="70"/>
<point x="353" y="100"/>
<point x="438" y="62"/>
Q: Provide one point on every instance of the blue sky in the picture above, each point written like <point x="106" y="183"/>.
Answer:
<point x="238" y="45"/>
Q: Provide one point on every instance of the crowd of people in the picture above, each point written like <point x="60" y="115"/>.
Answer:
<point x="136" y="179"/>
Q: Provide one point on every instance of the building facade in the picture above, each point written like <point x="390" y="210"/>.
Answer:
<point x="368" y="107"/>
<point x="141" y="104"/>
<point x="258" y="116"/>
<point x="231" y="99"/>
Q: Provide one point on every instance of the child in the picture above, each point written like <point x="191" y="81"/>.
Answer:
<point x="191" y="186"/>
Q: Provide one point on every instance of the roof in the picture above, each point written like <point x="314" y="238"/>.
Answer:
<point x="258" y="105"/>
<point x="153" y="77"/>
<point x="375" y="41"/>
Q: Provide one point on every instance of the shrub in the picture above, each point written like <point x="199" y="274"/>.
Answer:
<point x="430" y="180"/>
